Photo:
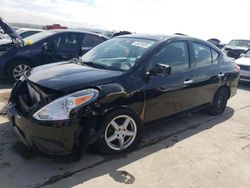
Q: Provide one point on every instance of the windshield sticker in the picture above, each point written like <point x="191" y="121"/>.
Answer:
<point x="141" y="44"/>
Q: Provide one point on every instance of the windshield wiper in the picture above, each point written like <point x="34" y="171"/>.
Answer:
<point x="92" y="64"/>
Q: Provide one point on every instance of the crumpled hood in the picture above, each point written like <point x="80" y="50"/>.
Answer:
<point x="9" y="30"/>
<point x="243" y="61"/>
<point x="69" y="77"/>
<point x="236" y="48"/>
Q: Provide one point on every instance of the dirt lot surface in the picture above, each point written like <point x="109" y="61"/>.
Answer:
<point x="197" y="150"/>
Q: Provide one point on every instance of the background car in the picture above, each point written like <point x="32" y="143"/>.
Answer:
<point x="113" y="90"/>
<point x="42" y="48"/>
<point x="237" y="47"/>
<point x="244" y="63"/>
<point x="46" y="47"/>
<point x="216" y="42"/>
<point x="23" y="32"/>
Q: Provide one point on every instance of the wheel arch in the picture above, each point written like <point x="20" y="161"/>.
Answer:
<point x="227" y="87"/>
<point x="20" y="58"/>
<point x="89" y="133"/>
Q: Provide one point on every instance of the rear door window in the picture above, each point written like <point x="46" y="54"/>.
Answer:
<point x="203" y="55"/>
<point x="215" y="55"/>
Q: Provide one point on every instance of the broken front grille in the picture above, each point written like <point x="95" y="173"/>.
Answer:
<point x="33" y="94"/>
<point x="28" y="97"/>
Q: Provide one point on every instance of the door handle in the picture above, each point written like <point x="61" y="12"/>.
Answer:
<point x="221" y="74"/>
<point x="188" y="82"/>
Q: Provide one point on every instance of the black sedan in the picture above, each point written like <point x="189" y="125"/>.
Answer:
<point x="106" y="97"/>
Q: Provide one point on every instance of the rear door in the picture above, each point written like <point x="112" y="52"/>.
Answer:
<point x="208" y="72"/>
<point x="174" y="93"/>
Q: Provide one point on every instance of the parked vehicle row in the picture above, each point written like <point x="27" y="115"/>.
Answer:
<point x="42" y="48"/>
<point x="235" y="48"/>
<point x="244" y="63"/>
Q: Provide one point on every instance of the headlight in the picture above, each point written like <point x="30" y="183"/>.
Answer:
<point x="60" y="109"/>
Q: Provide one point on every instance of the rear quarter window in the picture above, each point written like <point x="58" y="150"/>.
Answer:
<point x="215" y="55"/>
<point x="204" y="55"/>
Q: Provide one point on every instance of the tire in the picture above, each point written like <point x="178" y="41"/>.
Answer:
<point x="15" y="66"/>
<point x="122" y="131"/>
<point x="220" y="102"/>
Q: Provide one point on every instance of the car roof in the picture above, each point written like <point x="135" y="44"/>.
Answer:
<point x="162" y="38"/>
<point x="156" y="37"/>
<point x="29" y="29"/>
<point x="75" y="31"/>
<point x="241" y="39"/>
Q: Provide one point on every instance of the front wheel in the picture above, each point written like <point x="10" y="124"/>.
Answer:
<point x="121" y="131"/>
<point x="16" y="70"/>
<point x="220" y="102"/>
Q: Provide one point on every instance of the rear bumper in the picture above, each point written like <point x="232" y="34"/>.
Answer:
<point x="53" y="138"/>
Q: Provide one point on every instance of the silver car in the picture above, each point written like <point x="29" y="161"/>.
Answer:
<point x="244" y="63"/>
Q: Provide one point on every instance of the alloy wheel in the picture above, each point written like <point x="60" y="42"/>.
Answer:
<point x="19" y="71"/>
<point x="120" y="132"/>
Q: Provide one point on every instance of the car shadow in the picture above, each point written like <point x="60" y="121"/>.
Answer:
<point x="158" y="136"/>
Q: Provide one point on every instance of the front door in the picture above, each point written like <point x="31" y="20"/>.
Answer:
<point x="170" y="94"/>
<point x="61" y="47"/>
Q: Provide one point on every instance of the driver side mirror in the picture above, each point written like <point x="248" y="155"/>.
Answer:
<point x="159" y="70"/>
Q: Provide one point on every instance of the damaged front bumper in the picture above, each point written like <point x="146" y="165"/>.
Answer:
<point x="50" y="137"/>
<point x="54" y="138"/>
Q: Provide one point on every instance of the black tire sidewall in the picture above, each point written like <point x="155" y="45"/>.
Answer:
<point x="101" y="143"/>
<point x="222" y="92"/>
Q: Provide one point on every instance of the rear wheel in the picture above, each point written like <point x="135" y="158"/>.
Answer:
<point x="17" y="69"/>
<point x="122" y="131"/>
<point x="220" y="102"/>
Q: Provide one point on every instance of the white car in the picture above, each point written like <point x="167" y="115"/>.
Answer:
<point x="244" y="63"/>
<point x="23" y="32"/>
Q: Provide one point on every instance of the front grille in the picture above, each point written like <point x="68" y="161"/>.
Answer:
<point x="244" y="67"/>
<point x="34" y="95"/>
<point x="29" y="97"/>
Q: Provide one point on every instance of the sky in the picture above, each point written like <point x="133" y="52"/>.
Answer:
<point x="222" y="19"/>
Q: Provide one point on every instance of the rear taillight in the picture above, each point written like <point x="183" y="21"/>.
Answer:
<point x="237" y="67"/>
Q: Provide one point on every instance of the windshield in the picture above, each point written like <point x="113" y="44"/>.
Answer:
<point x="118" y="53"/>
<point x="37" y="37"/>
<point x="240" y="43"/>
